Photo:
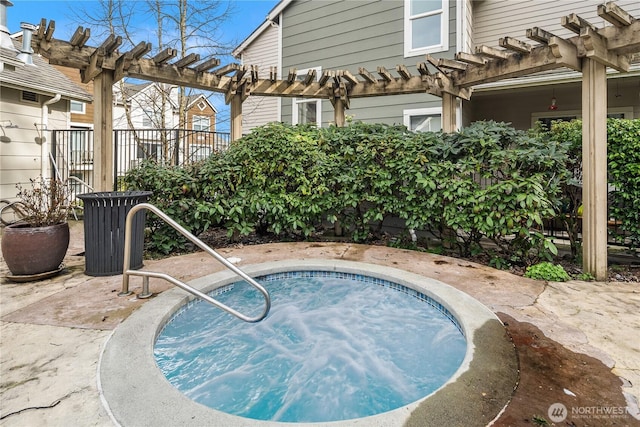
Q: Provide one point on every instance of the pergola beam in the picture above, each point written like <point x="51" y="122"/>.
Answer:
<point x="492" y="52"/>
<point x="207" y="65"/>
<point x="539" y="35"/>
<point x="614" y="14"/>
<point x="515" y="45"/>
<point x="165" y="56"/>
<point x="122" y="66"/>
<point x="79" y="37"/>
<point x="140" y="50"/>
<point x="95" y="66"/>
<point x="310" y="77"/>
<point x="575" y="23"/>
<point x="187" y="60"/>
<point x="624" y="40"/>
<point x="423" y="69"/>
<point x="470" y="58"/>
<point x="385" y="74"/>
<point x="291" y="78"/>
<point x="559" y="53"/>
<point x="366" y="75"/>
<point x="254" y="73"/>
<point x="596" y="49"/>
<point x="452" y="65"/>
<point x="326" y="76"/>
<point x="403" y="71"/>
<point x="110" y="44"/>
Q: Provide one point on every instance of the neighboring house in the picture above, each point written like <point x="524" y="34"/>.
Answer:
<point x="144" y="107"/>
<point x="35" y="98"/>
<point x="147" y="105"/>
<point x="152" y="105"/>
<point x="346" y="35"/>
<point x="151" y="112"/>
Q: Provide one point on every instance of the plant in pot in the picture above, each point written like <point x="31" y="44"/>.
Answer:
<point x="36" y="245"/>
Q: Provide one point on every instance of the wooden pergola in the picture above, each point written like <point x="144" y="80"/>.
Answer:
<point x="590" y="52"/>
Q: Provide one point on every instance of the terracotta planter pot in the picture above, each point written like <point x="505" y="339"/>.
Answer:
<point x="34" y="250"/>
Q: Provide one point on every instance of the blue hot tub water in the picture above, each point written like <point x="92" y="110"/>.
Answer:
<point x="335" y="346"/>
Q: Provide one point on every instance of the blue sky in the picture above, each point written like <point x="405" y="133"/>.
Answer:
<point x="249" y="14"/>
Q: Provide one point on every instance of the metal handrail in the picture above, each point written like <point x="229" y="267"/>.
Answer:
<point x="146" y="274"/>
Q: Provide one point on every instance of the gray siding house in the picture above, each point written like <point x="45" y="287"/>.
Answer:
<point x="321" y="35"/>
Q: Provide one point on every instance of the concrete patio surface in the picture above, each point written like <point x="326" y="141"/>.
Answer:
<point x="52" y="332"/>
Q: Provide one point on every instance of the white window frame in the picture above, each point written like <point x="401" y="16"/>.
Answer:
<point x="83" y="107"/>
<point x="200" y="119"/>
<point x="297" y="101"/>
<point x="444" y="30"/>
<point x="407" y="114"/>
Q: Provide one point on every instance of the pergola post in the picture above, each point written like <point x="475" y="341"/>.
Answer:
<point x="103" y="170"/>
<point x="236" y="117"/>
<point x="448" y="113"/>
<point x="594" y="167"/>
<point x="339" y="113"/>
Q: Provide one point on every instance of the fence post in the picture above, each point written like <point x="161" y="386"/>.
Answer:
<point x="177" y="154"/>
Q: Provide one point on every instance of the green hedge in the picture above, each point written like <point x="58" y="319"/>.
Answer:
<point x="488" y="180"/>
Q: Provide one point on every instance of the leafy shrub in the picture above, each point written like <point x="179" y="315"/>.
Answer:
<point x="624" y="175"/>
<point x="496" y="182"/>
<point x="486" y="181"/>
<point x="623" y="144"/>
<point x="275" y="179"/>
<point x="547" y="271"/>
<point x="178" y="193"/>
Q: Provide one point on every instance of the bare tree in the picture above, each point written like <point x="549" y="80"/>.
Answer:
<point x="189" y="26"/>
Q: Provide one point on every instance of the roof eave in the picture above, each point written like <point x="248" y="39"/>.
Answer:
<point x="41" y="90"/>
<point x="273" y="14"/>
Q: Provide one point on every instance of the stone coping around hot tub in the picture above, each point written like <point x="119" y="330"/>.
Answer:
<point x="136" y="393"/>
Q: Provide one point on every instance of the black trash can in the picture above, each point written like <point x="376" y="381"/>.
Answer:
<point x="105" y="216"/>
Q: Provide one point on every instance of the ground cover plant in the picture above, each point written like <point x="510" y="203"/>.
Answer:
<point x="488" y="182"/>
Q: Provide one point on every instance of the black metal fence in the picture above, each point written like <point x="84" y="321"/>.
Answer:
<point x="73" y="151"/>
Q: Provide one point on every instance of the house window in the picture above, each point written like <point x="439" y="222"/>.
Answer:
<point x="151" y="118"/>
<point x="426" y="26"/>
<point x="78" y="107"/>
<point x="200" y="123"/>
<point x="146" y="118"/>
<point x="306" y="110"/>
<point x="81" y="152"/>
<point x="423" y="119"/>
<point x="149" y="151"/>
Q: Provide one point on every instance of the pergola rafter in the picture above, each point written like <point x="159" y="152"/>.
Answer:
<point x="589" y="52"/>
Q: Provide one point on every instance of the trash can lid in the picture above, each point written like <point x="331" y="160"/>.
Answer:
<point x="111" y="195"/>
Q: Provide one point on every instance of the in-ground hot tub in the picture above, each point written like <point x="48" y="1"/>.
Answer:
<point x="136" y="392"/>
